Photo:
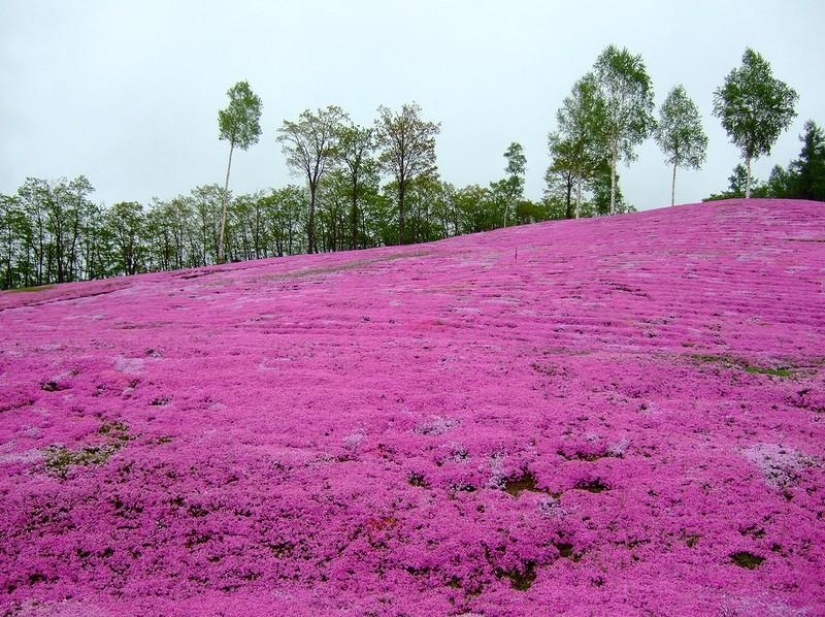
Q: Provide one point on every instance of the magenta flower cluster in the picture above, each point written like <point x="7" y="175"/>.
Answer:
<point x="621" y="416"/>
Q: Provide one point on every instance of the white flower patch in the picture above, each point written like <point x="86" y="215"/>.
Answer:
<point x="550" y="508"/>
<point x="130" y="366"/>
<point x="436" y="426"/>
<point x="780" y="465"/>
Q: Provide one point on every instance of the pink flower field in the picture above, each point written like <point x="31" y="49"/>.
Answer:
<point x="619" y="416"/>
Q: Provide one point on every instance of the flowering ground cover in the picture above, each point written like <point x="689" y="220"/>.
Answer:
<point x="613" y="416"/>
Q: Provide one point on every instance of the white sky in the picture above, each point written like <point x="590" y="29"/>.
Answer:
<point x="127" y="92"/>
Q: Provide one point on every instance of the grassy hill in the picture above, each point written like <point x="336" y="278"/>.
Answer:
<point x="614" y="416"/>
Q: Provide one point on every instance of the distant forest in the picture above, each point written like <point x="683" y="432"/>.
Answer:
<point x="374" y="186"/>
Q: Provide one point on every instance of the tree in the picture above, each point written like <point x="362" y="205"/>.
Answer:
<point x="311" y="147"/>
<point x="356" y="145"/>
<point x="737" y="184"/>
<point x="205" y="239"/>
<point x="578" y="147"/>
<point x="12" y="230"/>
<point x="628" y="97"/>
<point x="680" y="135"/>
<point x="754" y="108"/>
<point x="809" y="169"/>
<point x="239" y="124"/>
<point x="474" y="211"/>
<point x="408" y="149"/>
<point x="126" y="225"/>
<point x="782" y="183"/>
<point x="515" y="169"/>
<point x="607" y="194"/>
<point x="560" y="181"/>
<point x="284" y="209"/>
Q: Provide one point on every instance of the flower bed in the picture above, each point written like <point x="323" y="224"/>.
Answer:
<point x="611" y="416"/>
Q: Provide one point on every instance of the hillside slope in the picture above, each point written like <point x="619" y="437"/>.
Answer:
<point x="613" y="416"/>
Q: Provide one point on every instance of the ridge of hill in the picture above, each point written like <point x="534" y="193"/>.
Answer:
<point x="619" y="415"/>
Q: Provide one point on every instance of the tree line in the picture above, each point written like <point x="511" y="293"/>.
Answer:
<point x="368" y="186"/>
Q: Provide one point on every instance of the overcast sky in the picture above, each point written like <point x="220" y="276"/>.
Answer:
<point x="127" y="92"/>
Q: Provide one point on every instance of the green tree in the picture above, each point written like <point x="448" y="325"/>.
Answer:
<point x="407" y="145"/>
<point x="737" y="184"/>
<point x="578" y="147"/>
<point x="809" y="169"/>
<point x="516" y="170"/>
<point x="628" y="97"/>
<point x="356" y="145"/>
<point x="32" y="198"/>
<point x="560" y="181"/>
<point x="126" y="224"/>
<point x="12" y="230"/>
<point x="333" y="218"/>
<point x="782" y="183"/>
<point x="285" y="209"/>
<point x="680" y="135"/>
<point x="311" y="148"/>
<point x="754" y="108"/>
<point x="205" y="240"/>
<point x="240" y="125"/>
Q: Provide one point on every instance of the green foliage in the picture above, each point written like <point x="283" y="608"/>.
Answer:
<point x="558" y="193"/>
<point x="808" y="171"/>
<point x="44" y="228"/>
<point x="579" y="146"/>
<point x="679" y="133"/>
<point x="803" y="178"/>
<point x="510" y="190"/>
<point x="605" y="191"/>
<point x="356" y="147"/>
<point x="239" y="123"/>
<point x="311" y="146"/>
<point x="59" y="459"/>
<point x="737" y="183"/>
<point x="628" y="95"/>
<point x="754" y="108"/>
<point x="407" y="150"/>
<point x="126" y="225"/>
<point x="730" y="362"/>
<point x="516" y="163"/>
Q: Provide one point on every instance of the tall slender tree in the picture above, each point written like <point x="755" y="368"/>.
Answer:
<point x="126" y="224"/>
<point x="680" y="135"/>
<point x="356" y="145"/>
<point x="240" y="125"/>
<point x="754" y="108"/>
<point x="515" y="169"/>
<point x="628" y="96"/>
<point x="407" y="145"/>
<point x="579" y="147"/>
<point x="311" y="148"/>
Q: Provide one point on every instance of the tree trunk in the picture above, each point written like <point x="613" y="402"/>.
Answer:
<point x="748" y="179"/>
<point x="673" y="187"/>
<point x="223" y="209"/>
<point x="311" y="223"/>
<point x="401" y="188"/>
<point x="578" y="197"/>
<point x="354" y="214"/>
<point x="613" y="156"/>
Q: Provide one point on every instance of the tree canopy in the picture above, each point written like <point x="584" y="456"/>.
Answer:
<point x="407" y="145"/>
<point x="754" y="108"/>
<point x="579" y="146"/>
<point x="240" y="125"/>
<point x="680" y="135"/>
<point x="628" y="95"/>
<point x="310" y="145"/>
